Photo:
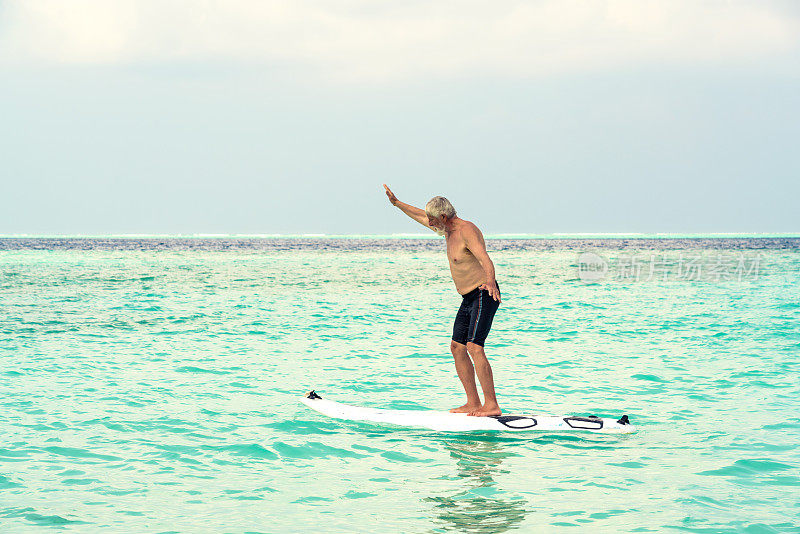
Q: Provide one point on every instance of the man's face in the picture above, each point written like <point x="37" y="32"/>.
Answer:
<point x="437" y="223"/>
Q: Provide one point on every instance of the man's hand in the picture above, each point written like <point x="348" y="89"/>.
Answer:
<point x="415" y="213"/>
<point x="493" y="290"/>
<point x="392" y="198"/>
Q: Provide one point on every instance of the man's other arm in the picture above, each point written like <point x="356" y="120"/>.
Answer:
<point x="477" y="247"/>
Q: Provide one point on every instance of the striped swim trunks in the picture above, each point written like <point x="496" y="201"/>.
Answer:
<point x="474" y="317"/>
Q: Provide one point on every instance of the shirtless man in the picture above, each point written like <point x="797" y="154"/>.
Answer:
<point x="473" y="274"/>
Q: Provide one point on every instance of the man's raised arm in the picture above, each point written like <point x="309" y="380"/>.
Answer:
<point x="415" y="213"/>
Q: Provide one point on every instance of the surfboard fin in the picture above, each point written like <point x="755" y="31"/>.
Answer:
<point x="312" y="395"/>
<point x="622" y="420"/>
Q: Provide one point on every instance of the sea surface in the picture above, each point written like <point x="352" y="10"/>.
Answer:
<point x="151" y="384"/>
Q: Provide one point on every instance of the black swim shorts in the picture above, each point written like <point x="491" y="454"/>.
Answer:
<point x="474" y="317"/>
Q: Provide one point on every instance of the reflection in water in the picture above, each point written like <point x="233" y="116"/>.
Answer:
<point x="479" y="505"/>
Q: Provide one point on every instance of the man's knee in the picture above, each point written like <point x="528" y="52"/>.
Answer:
<point x="475" y="350"/>
<point x="457" y="348"/>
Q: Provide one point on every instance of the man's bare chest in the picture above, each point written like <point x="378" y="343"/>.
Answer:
<point x="457" y="252"/>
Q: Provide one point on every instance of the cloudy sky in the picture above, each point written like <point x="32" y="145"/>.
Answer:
<point x="264" y="117"/>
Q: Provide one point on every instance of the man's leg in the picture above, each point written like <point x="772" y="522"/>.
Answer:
<point x="466" y="373"/>
<point x="484" y="370"/>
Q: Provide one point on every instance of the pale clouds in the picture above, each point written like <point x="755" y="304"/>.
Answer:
<point x="375" y="42"/>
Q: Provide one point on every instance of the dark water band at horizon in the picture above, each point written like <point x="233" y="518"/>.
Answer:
<point x="267" y="244"/>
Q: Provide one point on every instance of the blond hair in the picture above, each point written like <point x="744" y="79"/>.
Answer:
<point x="438" y="206"/>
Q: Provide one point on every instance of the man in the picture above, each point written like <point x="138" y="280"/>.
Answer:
<point x="473" y="274"/>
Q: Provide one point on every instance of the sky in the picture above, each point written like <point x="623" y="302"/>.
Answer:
<point x="285" y="117"/>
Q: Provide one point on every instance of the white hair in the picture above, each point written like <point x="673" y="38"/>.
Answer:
<point x="438" y="206"/>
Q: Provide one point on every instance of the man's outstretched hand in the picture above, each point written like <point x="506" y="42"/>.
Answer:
<point x="493" y="290"/>
<point x="392" y="198"/>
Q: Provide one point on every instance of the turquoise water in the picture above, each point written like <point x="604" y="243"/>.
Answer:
<point x="154" y="389"/>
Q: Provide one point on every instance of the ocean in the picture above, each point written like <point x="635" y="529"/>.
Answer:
<point x="151" y="384"/>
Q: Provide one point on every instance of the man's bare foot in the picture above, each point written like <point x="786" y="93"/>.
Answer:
<point x="466" y="408"/>
<point x="486" y="409"/>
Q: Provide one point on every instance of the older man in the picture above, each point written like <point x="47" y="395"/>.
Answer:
<point x="473" y="274"/>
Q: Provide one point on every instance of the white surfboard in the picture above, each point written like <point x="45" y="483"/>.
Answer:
<point x="461" y="422"/>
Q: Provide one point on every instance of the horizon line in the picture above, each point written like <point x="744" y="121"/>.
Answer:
<point x="408" y="235"/>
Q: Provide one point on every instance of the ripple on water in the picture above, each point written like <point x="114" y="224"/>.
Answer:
<point x="31" y="515"/>
<point x="251" y="450"/>
<point x="757" y="472"/>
